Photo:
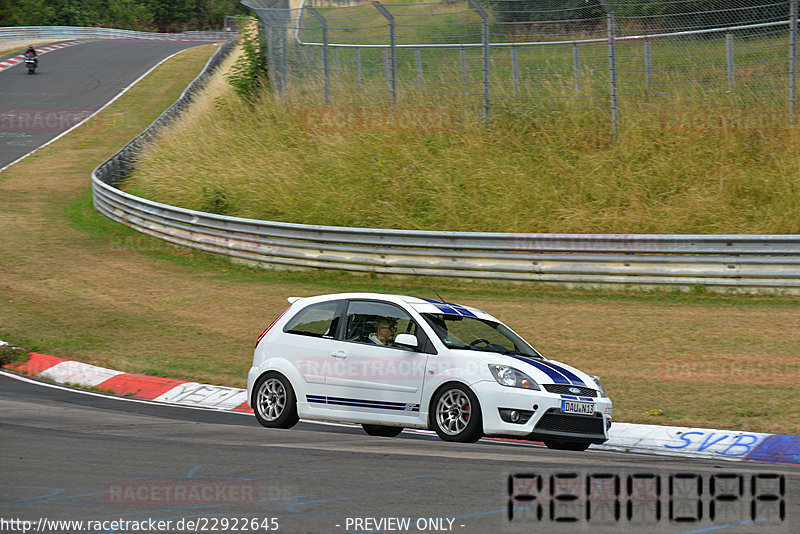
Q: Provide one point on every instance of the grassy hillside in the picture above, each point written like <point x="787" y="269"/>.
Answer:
<point x="432" y="168"/>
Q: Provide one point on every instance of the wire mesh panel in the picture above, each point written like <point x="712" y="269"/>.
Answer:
<point x="549" y="57"/>
<point x="705" y="64"/>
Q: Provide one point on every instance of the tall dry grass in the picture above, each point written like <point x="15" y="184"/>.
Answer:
<point x="434" y="165"/>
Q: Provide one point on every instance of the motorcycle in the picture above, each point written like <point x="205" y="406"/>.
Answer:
<point x="31" y="62"/>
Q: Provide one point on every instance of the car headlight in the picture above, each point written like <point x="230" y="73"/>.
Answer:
<point x="600" y="388"/>
<point x="513" y="378"/>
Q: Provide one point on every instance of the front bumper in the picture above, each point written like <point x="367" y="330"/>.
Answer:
<point x="546" y="421"/>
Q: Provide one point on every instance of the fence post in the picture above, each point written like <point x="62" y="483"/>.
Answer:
<point x="464" y="73"/>
<point x="268" y="48"/>
<point x="729" y="57"/>
<point x="576" y="65"/>
<point x="285" y="54"/>
<point x="337" y="68"/>
<point x="387" y="70"/>
<point x="418" y="61"/>
<point x="515" y="68"/>
<point x="326" y="60"/>
<point x="392" y="48"/>
<point x="648" y="64"/>
<point x="612" y="65"/>
<point x="792" y="61"/>
<point x="485" y="48"/>
<point x="358" y="66"/>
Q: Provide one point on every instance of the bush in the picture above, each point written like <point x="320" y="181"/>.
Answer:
<point x="250" y="72"/>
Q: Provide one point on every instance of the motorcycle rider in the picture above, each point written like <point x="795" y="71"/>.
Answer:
<point x="31" y="52"/>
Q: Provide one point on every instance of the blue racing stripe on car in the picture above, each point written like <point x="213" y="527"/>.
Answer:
<point x="572" y="377"/>
<point x="450" y="308"/>
<point x="368" y="404"/>
<point x="447" y="309"/>
<point x="374" y="404"/>
<point x="569" y="397"/>
<point x="555" y="376"/>
<point x="362" y="403"/>
<point x="462" y="310"/>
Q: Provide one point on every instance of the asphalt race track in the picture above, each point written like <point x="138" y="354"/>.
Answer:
<point x="73" y="455"/>
<point x="69" y="85"/>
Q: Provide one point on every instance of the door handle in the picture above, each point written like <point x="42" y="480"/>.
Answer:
<point x="339" y="354"/>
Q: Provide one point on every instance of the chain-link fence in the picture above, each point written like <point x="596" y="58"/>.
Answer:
<point x="699" y="64"/>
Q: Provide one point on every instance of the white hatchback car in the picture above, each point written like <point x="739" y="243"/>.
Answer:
<point x="391" y="362"/>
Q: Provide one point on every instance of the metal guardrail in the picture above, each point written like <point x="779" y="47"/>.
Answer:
<point x="78" y="32"/>
<point x="738" y="262"/>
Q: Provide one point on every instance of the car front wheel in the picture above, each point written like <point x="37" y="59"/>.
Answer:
<point x="456" y="414"/>
<point x="384" y="431"/>
<point x="274" y="402"/>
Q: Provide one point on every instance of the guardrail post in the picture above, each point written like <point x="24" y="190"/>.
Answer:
<point x="326" y="60"/>
<point x="792" y="61"/>
<point x="392" y="49"/>
<point x="486" y="72"/>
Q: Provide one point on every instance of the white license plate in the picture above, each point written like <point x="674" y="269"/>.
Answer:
<point x="584" y="408"/>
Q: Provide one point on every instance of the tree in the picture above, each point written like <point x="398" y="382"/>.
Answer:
<point x="128" y="15"/>
<point x="35" y="12"/>
<point x="8" y="14"/>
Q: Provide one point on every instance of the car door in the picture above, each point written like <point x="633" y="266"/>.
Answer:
<point x="308" y="342"/>
<point x="372" y="379"/>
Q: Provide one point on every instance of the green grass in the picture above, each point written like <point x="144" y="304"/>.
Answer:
<point x="438" y="169"/>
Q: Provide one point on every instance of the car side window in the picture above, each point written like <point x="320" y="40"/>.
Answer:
<point x="317" y="320"/>
<point x="377" y="323"/>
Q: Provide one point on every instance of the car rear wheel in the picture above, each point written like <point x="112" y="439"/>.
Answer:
<point x="274" y="402"/>
<point x="567" y="445"/>
<point x="384" y="431"/>
<point x="456" y="414"/>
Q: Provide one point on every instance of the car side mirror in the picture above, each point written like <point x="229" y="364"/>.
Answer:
<point x="406" y="340"/>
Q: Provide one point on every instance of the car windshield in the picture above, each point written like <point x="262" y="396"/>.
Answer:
<point x="471" y="333"/>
